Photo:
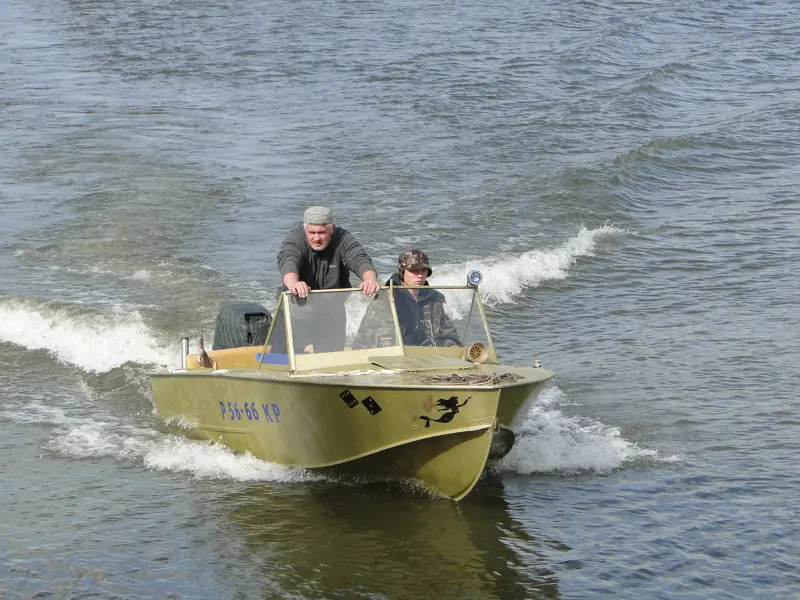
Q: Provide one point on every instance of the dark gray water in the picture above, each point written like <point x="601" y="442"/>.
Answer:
<point x="625" y="175"/>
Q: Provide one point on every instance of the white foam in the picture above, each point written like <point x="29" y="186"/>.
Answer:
<point x="551" y="442"/>
<point x="141" y="274"/>
<point x="36" y="411"/>
<point x="95" y="342"/>
<point x="212" y="461"/>
<point x="204" y="460"/>
<point x="48" y="406"/>
<point x="505" y="277"/>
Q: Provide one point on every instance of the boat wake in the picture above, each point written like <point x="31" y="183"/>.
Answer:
<point x="550" y="441"/>
<point x="93" y="340"/>
<point x="99" y="340"/>
<point x="506" y="277"/>
<point x="160" y="452"/>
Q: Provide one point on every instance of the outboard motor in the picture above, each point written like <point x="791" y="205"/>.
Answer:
<point x="502" y="442"/>
<point x="241" y="324"/>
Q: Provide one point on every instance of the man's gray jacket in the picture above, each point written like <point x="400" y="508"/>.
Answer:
<point x="325" y="269"/>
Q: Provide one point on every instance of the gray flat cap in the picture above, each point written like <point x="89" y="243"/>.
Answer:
<point x="317" y="215"/>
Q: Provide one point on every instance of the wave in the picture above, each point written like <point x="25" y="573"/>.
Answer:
<point x="202" y="459"/>
<point x="551" y="442"/>
<point x="506" y="277"/>
<point x="92" y="340"/>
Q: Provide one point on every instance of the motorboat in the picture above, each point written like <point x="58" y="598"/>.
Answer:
<point x="336" y="383"/>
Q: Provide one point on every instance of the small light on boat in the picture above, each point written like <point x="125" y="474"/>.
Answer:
<point x="474" y="278"/>
<point x="476" y="353"/>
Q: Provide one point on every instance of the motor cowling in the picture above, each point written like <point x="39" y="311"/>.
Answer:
<point x="241" y="324"/>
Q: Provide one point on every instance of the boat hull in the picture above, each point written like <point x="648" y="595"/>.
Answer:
<point x="439" y="435"/>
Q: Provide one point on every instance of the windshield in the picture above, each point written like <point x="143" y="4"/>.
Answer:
<point x="333" y="321"/>
<point x="439" y="317"/>
<point x="329" y="321"/>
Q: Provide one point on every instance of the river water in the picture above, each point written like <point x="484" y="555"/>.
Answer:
<point x="625" y="175"/>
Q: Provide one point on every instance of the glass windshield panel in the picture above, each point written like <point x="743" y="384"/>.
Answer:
<point x="439" y="317"/>
<point x="276" y="347"/>
<point x="346" y="320"/>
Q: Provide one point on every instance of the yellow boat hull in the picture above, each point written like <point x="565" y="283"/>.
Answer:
<point x="386" y="425"/>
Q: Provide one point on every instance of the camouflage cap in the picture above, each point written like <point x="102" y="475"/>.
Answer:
<point x="412" y="260"/>
<point x="317" y="215"/>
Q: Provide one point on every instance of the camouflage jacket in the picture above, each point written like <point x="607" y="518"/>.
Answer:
<point x="423" y="322"/>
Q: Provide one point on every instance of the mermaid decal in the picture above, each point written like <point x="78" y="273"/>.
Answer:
<point x="450" y="405"/>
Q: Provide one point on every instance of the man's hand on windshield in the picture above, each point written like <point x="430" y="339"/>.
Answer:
<point x="300" y="289"/>
<point x="295" y="285"/>
<point x="370" y="283"/>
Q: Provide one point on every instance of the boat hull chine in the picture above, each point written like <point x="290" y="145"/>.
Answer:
<point x="449" y="465"/>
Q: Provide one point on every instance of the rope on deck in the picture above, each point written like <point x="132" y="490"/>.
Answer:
<point x="471" y="379"/>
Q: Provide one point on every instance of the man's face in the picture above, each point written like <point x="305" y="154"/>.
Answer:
<point x="415" y="276"/>
<point x="319" y="236"/>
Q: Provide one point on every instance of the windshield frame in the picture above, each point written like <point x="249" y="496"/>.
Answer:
<point x="301" y="361"/>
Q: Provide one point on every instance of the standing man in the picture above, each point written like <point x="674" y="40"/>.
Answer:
<point x="319" y="255"/>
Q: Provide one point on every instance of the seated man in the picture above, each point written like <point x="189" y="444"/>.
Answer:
<point x="420" y="312"/>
